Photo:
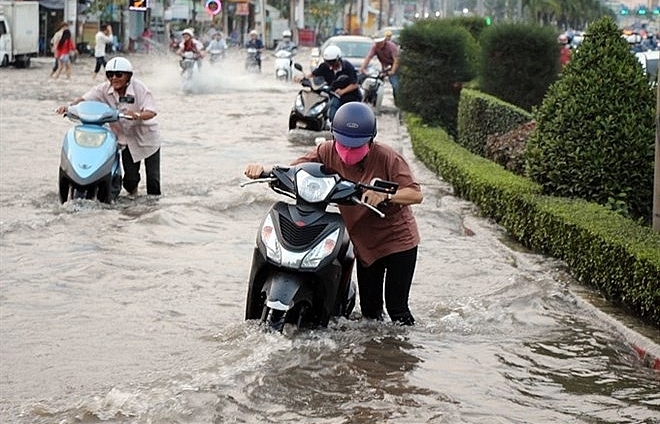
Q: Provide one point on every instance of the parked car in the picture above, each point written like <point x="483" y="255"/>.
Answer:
<point x="354" y="48"/>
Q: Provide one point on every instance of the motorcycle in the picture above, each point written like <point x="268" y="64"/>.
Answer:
<point x="310" y="109"/>
<point x="284" y="64"/>
<point x="372" y="85"/>
<point x="216" y="55"/>
<point x="303" y="259"/>
<point x="189" y="65"/>
<point x="251" y="60"/>
<point x="90" y="160"/>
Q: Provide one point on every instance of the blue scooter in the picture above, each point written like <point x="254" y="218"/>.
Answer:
<point x="90" y="163"/>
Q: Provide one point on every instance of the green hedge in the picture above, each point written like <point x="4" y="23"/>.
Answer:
<point x="595" y="128"/>
<point x="437" y="57"/>
<point x="518" y="62"/>
<point x="481" y="115"/>
<point x="602" y="248"/>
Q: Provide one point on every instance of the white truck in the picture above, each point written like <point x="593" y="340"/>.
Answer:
<point x="19" y="32"/>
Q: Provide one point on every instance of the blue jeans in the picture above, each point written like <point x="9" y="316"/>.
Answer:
<point x="394" y="80"/>
<point x="333" y="105"/>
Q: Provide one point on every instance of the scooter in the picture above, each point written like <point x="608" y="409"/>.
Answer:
<point x="284" y="64"/>
<point x="216" y="55"/>
<point x="189" y="65"/>
<point x="373" y="86"/>
<point x="90" y="160"/>
<point x="310" y="109"/>
<point x="303" y="260"/>
<point x="251" y="62"/>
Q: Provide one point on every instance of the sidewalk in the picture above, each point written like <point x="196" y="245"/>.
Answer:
<point x="646" y="348"/>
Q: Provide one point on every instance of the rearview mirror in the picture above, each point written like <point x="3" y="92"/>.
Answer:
<point x="298" y="66"/>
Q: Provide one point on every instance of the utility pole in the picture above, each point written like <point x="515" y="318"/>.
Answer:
<point x="656" y="178"/>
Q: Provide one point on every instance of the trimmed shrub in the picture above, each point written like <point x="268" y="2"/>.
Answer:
<point x="436" y="59"/>
<point x="518" y="63"/>
<point x="508" y="149"/>
<point x="603" y="249"/>
<point x="595" y="134"/>
<point x="474" y="24"/>
<point x="480" y="115"/>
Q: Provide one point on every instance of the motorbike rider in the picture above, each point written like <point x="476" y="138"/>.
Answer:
<point x="255" y="43"/>
<point x="386" y="249"/>
<point x="218" y="43"/>
<point x="332" y="67"/>
<point x="564" y="50"/>
<point x="286" y="43"/>
<point x="190" y="44"/>
<point x="387" y="53"/>
<point x="139" y="137"/>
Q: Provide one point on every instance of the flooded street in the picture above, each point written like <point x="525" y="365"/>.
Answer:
<point x="134" y="312"/>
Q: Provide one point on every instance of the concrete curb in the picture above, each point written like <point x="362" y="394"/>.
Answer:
<point x="647" y="350"/>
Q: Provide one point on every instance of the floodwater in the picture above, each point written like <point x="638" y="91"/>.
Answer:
<point x="134" y="312"/>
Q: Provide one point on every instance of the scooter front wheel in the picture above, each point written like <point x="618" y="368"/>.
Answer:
<point x="275" y="320"/>
<point x="64" y="188"/>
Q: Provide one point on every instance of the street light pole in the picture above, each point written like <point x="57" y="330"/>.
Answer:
<point x="656" y="178"/>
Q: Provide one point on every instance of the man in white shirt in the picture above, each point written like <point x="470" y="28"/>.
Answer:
<point x="103" y="37"/>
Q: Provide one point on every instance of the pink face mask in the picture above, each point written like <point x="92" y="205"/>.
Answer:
<point x="351" y="156"/>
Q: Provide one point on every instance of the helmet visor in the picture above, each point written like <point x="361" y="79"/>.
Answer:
<point x="350" y="142"/>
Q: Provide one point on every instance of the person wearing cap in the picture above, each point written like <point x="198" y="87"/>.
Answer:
<point x="333" y="67"/>
<point x="255" y="43"/>
<point x="218" y="43"/>
<point x="286" y="43"/>
<point x="138" y="137"/>
<point x="190" y="44"/>
<point x="386" y="248"/>
<point x="387" y="53"/>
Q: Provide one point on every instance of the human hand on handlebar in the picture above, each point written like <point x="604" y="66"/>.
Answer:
<point x="255" y="170"/>
<point x="374" y="198"/>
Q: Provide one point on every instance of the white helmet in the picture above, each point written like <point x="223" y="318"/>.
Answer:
<point x="188" y="31"/>
<point x="119" y="64"/>
<point x="286" y="33"/>
<point x="253" y="32"/>
<point x="331" y="53"/>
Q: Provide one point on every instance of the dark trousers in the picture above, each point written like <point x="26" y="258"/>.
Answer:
<point x="132" y="172"/>
<point x="100" y="61"/>
<point x="396" y="270"/>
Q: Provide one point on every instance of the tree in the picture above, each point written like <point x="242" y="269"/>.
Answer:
<point x="595" y="133"/>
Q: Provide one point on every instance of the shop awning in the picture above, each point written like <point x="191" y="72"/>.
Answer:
<point x="52" y="4"/>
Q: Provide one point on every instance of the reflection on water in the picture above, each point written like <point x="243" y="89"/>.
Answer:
<point x="134" y="312"/>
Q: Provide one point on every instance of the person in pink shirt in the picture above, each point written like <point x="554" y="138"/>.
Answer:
<point x="139" y="136"/>
<point x="65" y="46"/>
<point x="387" y="53"/>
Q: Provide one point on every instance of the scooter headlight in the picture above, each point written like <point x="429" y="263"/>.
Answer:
<point x="299" y="104"/>
<point x="89" y="138"/>
<point x="317" y="109"/>
<point x="321" y="251"/>
<point x="270" y="241"/>
<point x="313" y="189"/>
